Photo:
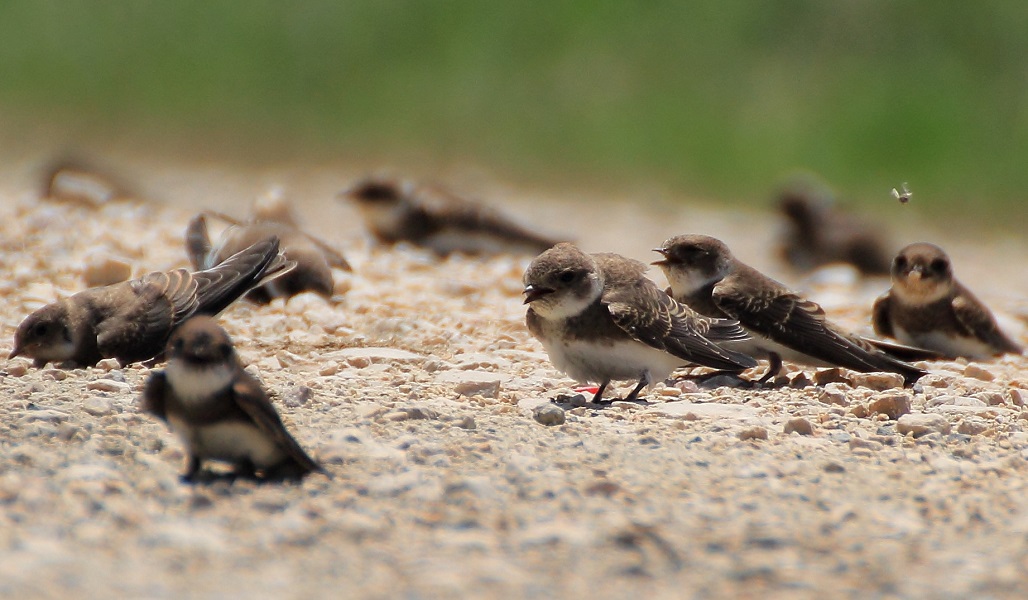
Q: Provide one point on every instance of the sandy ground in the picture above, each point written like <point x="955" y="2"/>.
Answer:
<point x="420" y="388"/>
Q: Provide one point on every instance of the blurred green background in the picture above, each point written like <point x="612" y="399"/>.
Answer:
<point x="719" y="99"/>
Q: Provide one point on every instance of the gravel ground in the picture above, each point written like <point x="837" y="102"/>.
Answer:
<point x="453" y="474"/>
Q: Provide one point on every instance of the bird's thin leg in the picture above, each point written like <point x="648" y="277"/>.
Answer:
<point x="192" y="468"/>
<point x="598" y="396"/>
<point x="643" y="382"/>
<point x="774" y="367"/>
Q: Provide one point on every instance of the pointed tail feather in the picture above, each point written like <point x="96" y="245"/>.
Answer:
<point x="249" y="268"/>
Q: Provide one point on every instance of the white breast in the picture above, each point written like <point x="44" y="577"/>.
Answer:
<point x="948" y="344"/>
<point x="231" y="441"/>
<point x="194" y="385"/>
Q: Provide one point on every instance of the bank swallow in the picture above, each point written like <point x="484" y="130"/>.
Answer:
<point x="72" y="181"/>
<point x="705" y="275"/>
<point x="219" y="410"/>
<point x="817" y="232"/>
<point x="131" y="320"/>
<point x="314" y="258"/>
<point x="435" y="218"/>
<point x="599" y="318"/>
<point x="927" y="307"/>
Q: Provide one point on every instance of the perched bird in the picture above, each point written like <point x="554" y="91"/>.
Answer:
<point x="314" y="258"/>
<point x="218" y="410"/>
<point x="131" y="320"/>
<point x="706" y="276"/>
<point x="599" y="318"/>
<point x="817" y="232"/>
<point x="927" y="307"/>
<point x="72" y="181"/>
<point x="432" y="217"/>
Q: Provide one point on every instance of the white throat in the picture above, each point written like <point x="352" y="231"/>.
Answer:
<point x="195" y="384"/>
<point x="915" y="290"/>
<point x="685" y="281"/>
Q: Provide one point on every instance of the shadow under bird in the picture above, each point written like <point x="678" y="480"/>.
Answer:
<point x="435" y="218"/>
<point x="818" y="232"/>
<point x="218" y="410"/>
<point x="314" y="258"/>
<point x="927" y="307"/>
<point x="599" y="319"/>
<point x="705" y="275"/>
<point x="131" y="321"/>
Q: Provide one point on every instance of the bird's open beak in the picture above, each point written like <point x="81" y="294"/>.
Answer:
<point x="17" y="351"/>
<point x="662" y="262"/>
<point x="534" y="292"/>
<point x="916" y="272"/>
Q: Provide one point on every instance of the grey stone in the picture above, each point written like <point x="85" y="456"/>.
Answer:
<point x="549" y="414"/>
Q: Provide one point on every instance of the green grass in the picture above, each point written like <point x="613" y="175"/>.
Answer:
<point x="720" y="98"/>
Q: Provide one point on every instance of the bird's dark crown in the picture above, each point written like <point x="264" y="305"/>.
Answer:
<point x="927" y="259"/>
<point x="374" y="190"/>
<point x="200" y="340"/>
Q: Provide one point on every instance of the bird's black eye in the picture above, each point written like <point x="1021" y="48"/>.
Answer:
<point x="939" y="265"/>
<point x="41" y="329"/>
<point x="567" y="276"/>
<point x="900" y="263"/>
<point x="177" y="345"/>
<point x="224" y="349"/>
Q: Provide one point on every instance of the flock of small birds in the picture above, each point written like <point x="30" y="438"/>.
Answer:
<point x="598" y="317"/>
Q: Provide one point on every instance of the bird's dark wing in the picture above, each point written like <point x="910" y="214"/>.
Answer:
<point x="904" y="352"/>
<point x="141" y="315"/>
<point x="652" y="317"/>
<point x="250" y="267"/>
<point x="800" y="324"/>
<point x="153" y="395"/>
<point x="977" y="321"/>
<point x="881" y="318"/>
<point x="249" y="396"/>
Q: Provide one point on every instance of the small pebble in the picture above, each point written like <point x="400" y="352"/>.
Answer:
<point x="991" y="398"/>
<point x="920" y="424"/>
<point x="108" y="385"/>
<point x="753" y="433"/>
<point x="549" y="414"/>
<point x="799" y="425"/>
<point x="976" y="371"/>
<point x="877" y="381"/>
<point x="297" y="395"/>
<point x="973" y="426"/>
<point x="872" y="445"/>
<point x="97" y="406"/>
<point x="467" y="422"/>
<point x="17" y="367"/>
<point x="894" y="405"/>
<point x="826" y="376"/>
<point x="834" y="393"/>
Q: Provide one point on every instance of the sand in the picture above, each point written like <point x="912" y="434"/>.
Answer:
<point x="427" y="400"/>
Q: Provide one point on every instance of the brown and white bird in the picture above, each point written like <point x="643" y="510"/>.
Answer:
<point x="817" y="232"/>
<point x="705" y="275"/>
<point x="927" y="307"/>
<point x="218" y="410"/>
<point x="599" y="319"/>
<point x="435" y="218"/>
<point x="314" y="258"/>
<point x="131" y="320"/>
<point x="73" y="181"/>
